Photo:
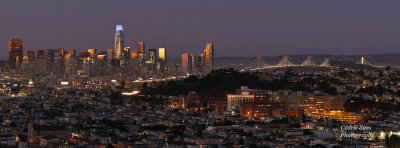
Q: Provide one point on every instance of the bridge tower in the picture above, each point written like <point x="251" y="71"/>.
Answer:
<point x="308" y="62"/>
<point x="284" y="62"/>
<point x="258" y="63"/>
<point x="363" y="61"/>
<point x="325" y="63"/>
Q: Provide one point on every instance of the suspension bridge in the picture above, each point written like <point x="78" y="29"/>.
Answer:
<point x="363" y="61"/>
<point x="260" y="64"/>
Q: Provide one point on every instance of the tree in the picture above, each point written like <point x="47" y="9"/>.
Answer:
<point x="109" y="146"/>
<point x="319" y="146"/>
<point x="387" y="68"/>
<point x="307" y="132"/>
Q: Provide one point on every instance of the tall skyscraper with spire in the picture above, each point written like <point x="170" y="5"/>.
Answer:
<point x="119" y="42"/>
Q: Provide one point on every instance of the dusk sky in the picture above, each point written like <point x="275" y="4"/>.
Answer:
<point x="237" y="28"/>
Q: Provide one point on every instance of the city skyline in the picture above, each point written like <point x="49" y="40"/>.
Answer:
<point x="300" y="27"/>
<point x="220" y="74"/>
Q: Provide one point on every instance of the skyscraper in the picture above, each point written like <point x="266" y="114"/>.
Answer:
<point x="119" y="42"/>
<point x="152" y="56"/>
<point x="59" y="67"/>
<point x="209" y="58"/>
<point x="89" y="67"/>
<point x="31" y="56"/>
<point x="133" y="54"/>
<point x="26" y="67"/>
<point x="70" y="61"/>
<point x="28" y="63"/>
<point x="161" y="54"/>
<point x="40" y="54"/>
<point x="192" y="63"/>
<point x="185" y="64"/>
<point x="126" y="52"/>
<point x="72" y="52"/>
<point x="199" y="63"/>
<point x="49" y="57"/>
<point x="125" y="55"/>
<point x="110" y="55"/>
<point x="102" y="56"/>
<point x="40" y="62"/>
<point x="92" y="52"/>
<point x="15" y="53"/>
<point x="141" y="49"/>
<point x="162" y="58"/>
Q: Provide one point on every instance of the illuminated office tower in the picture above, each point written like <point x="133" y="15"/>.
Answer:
<point x="162" y="59"/>
<point x="192" y="63"/>
<point x="15" y="50"/>
<point x="125" y="55"/>
<point x="31" y="56"/>
<point x="185" y="64"/>
<point x="40" y="67"/>
<point x="199" y="63"/>
<point x="25" y="66"/>
<point x="141" y="49"/>
<point x="102" y="56"/>
<point x="81" y="57"/>
<point x="152" y="56"/>
<point x="89" y="67"/>
<point x="92" y="52"/>
<point x="209" y="58"/>
<point x="134" y="55"/>
<point x="126" y="52"/>
<point x="101" y="63"/>
<point x="70" y="62"/>
<point x="119" y="42"/>
<point x="73" y="59"/>
<point x="110" y="55"/>
<point x="49" y="57"/>
<point x="161" y="54"/>
<point x="40" y="54"/>
<point x="72" y="52"/>
<point x="59" y="67"/>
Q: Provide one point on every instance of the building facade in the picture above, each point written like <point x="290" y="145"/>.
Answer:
<point x="119" y="42"/>
<point x="209" y="58"/>
<point x="15" y="52"/>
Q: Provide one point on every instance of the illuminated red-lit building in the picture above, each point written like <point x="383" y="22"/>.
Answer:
<point x="323" y="103"/>
<point x="192" y="100"/>
<point x="217" y="105"/>
<point x="254" y="103"/>
<point x="15" y="53"/>
<point x="259" y="95"/>
<point x="246" y="95"/>
<point x="260" y="108"/>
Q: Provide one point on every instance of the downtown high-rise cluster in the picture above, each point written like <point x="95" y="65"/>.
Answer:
<point x="204" y="63"/>
<point x="122" y="60"/>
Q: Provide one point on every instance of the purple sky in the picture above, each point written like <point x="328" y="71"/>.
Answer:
<point x="237" y="28"/>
